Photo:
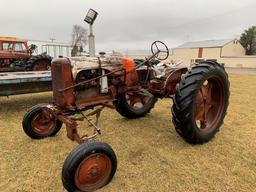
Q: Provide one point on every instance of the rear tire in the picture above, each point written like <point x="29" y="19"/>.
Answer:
<point x="129" y="111"/>
<point x="201" y="102"/>
<point x="36" y="126"/>
<point x="39" y="63"/>
<point x="88" y="167"/>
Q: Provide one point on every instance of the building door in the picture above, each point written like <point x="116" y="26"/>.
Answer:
<point x="200" y="52"/>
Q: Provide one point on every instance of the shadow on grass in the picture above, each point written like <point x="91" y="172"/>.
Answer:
<point x="155" y="125"/>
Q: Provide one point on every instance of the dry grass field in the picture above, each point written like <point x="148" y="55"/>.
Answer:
<point x="151" y="156"/>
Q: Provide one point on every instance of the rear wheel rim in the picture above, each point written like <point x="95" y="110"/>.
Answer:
<point x="42" y="125"/>
<point x="42" y="65"/>
<point x="136" y="101"/>
<point x="209" y="104"/>
<point x="93" y="172"/>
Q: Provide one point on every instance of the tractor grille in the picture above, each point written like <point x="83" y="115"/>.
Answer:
<point x="61" y="79"/>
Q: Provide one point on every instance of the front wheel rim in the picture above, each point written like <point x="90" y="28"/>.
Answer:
<point x="42" y="125"/>
<point x="93" y="172"/>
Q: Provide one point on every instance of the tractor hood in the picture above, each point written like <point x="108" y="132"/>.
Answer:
<point x="109" y="63"/>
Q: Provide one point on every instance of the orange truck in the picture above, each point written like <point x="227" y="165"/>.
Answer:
<point x="17" y="55"/>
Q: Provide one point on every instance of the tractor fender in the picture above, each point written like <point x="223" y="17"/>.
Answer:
<point x="172" y="79"/>
<point x="130" y="74"/>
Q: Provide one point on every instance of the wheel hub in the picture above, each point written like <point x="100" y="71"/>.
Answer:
<point x="42" y="124"/>
<point x="93" y="172"/>
<point x="137" y="101"/>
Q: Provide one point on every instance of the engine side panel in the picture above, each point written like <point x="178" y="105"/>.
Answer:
<point x="87" y="63"/>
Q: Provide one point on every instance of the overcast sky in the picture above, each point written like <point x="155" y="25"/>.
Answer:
<point x="128" y="24"/>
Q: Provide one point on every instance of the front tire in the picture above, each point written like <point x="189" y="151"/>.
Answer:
<point x="201" y="102"/>
<point x="88" y="167"/>
<point x="37" y="126"/>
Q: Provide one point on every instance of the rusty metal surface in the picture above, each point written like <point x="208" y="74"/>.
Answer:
<point x="99" y="100"/>
<point x="70" y="120"/>
<point x="16" y="55"/>
<point x="138" y="100"/>
<point x="43" y="124"/>
<point x="62" y="78"/>
<point x="41" y="65"/>
<point x="11" y="53"/>
<point x="77" y="88"/>
<point x="172" y="79"/>
<point x="24" y="82"/>
<point x="93" y="171"/>
<point x="209" y="104"/>
<point x="165" y="86"/>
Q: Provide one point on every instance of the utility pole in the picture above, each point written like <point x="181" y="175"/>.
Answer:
<point x="52" y="39"/>
<point x="91" y="39"/>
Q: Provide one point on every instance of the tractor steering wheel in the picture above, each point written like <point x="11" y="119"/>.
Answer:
<point x="159" y="50"/>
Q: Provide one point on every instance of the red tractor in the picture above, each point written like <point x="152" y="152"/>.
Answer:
<point x="83" y="87"/>
<point x="16" y="55"/>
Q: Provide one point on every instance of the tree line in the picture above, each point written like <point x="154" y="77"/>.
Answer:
<point x="248" y="40"/>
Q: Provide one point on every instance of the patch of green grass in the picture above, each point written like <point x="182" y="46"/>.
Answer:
<point x="151" y="155"/>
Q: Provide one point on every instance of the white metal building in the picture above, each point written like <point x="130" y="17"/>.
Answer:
<point x="228" y="51"/>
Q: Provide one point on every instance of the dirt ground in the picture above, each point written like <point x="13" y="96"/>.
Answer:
<point x="151" y="155"/>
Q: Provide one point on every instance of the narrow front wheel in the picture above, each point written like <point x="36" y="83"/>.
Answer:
<point x="88" y="167"/>
<point x="38" y="125"/>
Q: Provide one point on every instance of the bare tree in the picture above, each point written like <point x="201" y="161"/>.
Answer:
<point x="79" y="39"/>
